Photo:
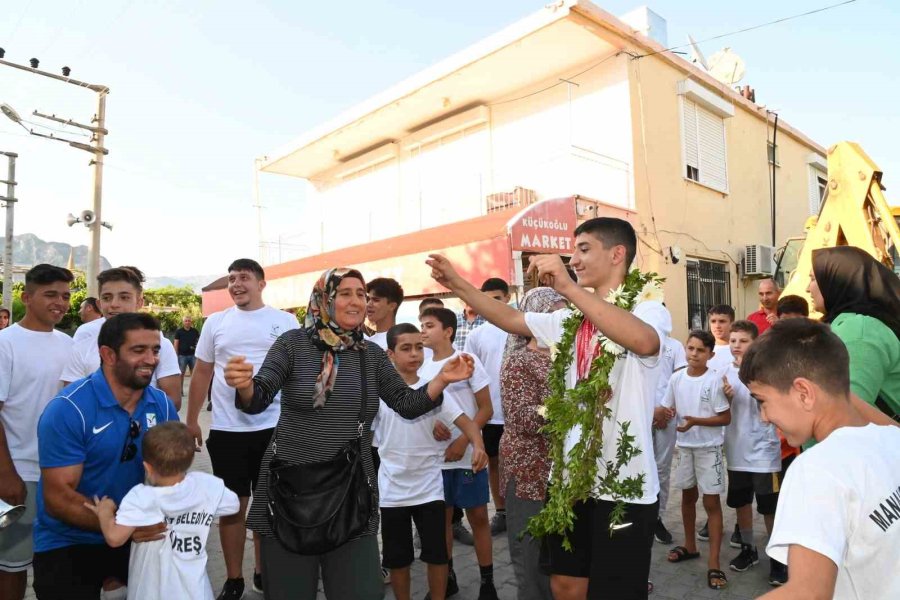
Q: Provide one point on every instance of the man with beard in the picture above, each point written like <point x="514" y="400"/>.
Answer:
<point x="89" y="444"/>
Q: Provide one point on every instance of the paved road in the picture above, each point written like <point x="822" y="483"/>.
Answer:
<point x="685" y="581"/>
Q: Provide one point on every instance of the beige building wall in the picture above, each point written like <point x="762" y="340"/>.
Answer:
<point x="703" y="222"/>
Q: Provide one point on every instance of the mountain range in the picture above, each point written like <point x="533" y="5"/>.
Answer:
<point x="29" y="249"/>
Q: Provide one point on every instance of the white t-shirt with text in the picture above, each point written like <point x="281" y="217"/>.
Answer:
<point x="841" y="499"/>
<point x="248" y="333"/>
<point x="85" y="356"/>
<point x="750" y="444"/>
<point x="30" y="365"/>
<point x="459" y="398"/>
<point x="174" y="567"/>
<point x="633" y="394"/>
<point x="487" y="343"/>
<point x="699" y="396"/>
<point x="410" y="472"/>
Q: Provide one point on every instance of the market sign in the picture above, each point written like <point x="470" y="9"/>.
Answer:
<point x="546" y="227"/>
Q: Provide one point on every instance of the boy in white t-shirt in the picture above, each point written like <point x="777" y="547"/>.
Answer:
<point x="32" y="355"/>
<point x="410" y="483"/>
<point x="719" y="319"/>
<point x="696" y="399"/>
<point x="838" y="525"/>
<point x="174" y="567"/>
<point x="753" y="454"/>
<point x="463" y="487"/>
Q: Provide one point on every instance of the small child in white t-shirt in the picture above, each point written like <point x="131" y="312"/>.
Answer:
<point x="174" y="567"/>
<point x="696" y="400"/>
<point x="753" y="454"/>
<point x="410" y="481"/>
<point x="837" y="525"/>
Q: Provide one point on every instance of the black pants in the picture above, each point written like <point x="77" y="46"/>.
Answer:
<point x="77" y="572"/>
<point x="617" y="565"/>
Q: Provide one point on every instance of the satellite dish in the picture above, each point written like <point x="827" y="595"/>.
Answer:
<point x="696" y="56"/>
<point x="727" y="66"/>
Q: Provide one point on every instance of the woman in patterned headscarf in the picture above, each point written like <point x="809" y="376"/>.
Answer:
<point x="321" y="369"/>
<point x="524" y="451"/>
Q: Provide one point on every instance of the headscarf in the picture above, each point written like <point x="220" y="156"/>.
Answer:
<point x="326" y="334"/>
<point x="851" y="281"/>
<point x="540" y="300"/>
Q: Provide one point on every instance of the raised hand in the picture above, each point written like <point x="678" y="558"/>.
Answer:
<point x="551" y="271"/>
<point x="458" y="368"/>
<point x="239" y="373"/>
<point x="442" y="271"/>
<point x="726" y="387"/>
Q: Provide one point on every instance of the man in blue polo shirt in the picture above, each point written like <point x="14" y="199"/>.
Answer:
<point x="89" y="444"/>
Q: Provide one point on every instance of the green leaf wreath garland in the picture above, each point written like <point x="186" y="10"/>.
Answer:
<point x="576" y="477"/>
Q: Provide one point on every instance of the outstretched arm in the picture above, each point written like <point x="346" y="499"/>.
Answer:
<point x="502" y="315"/>
<point x="114" y="534"/>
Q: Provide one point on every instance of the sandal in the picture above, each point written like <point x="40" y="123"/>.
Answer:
<point x="649" y="587"/>
<point x="681" y="554"/>
<point x="716" y="574"/>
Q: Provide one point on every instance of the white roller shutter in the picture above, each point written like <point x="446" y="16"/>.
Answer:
<point x="703" y="136"/>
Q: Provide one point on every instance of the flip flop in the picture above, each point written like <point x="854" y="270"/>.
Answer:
<point x="716" y="574"/>
<point x="681" y="554"/>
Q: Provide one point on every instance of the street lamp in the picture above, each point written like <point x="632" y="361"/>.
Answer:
<point x="98" y="132"/>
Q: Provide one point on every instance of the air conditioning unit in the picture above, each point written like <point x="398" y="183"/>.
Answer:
<point x="759" y="260"/>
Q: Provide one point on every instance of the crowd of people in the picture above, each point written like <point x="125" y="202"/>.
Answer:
<point x="328" y="432"/>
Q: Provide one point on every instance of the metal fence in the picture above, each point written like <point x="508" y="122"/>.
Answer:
<point x="708" y="284"/>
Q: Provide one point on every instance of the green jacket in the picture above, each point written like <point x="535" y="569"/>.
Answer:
<point x="874" y="358"/>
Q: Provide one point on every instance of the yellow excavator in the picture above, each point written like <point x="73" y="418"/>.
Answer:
<point x="854" y="212"/>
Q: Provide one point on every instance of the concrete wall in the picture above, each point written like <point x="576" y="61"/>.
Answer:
<point x="703" y="222"/>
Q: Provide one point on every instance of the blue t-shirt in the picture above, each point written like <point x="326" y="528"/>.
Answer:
<point x="84" y="425"/>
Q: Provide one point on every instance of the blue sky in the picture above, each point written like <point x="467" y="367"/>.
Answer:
<point x="201" y="87"/>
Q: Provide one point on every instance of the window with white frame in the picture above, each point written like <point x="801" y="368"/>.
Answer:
<point x="703" y="143"/>
<point x="818" y="183"/>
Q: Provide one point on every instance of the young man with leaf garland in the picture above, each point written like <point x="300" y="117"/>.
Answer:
<point x="602" y="504"/>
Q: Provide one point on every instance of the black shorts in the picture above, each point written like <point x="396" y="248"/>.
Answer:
<point x="397" y="540"/>
<point x="742" y="486"/>
<point x="492" y="432"/>
<point x="78" y="571"/>
<point x="617" y="565"/>
<point x="785" y="465"/>
<point x="236" y="456"/>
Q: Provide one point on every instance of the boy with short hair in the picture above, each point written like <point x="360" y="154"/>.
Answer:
<point x="410" y="481"/>
<point x="695" y="397"/>
<point x="792" y="307"/>
<point x="753" y="453"/>
<point x="463" y="488"/>
<point x="836" y="524"/>
<point x="720" y="318"/>
<point x="174" y="567"/>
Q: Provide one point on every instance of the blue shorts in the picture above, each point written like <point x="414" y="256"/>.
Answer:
<point x="465" y="489"/>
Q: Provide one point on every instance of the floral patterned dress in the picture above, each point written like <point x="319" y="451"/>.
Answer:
<point x="524" y="451"/>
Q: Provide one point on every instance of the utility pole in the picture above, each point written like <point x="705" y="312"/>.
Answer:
<point x="93" y="265"/>
<point x="10" y="200"/>
<point x="99" y="132"/>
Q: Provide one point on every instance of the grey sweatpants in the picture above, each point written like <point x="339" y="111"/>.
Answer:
<point x="524" y="553"/>
<point x="350" y="572"/>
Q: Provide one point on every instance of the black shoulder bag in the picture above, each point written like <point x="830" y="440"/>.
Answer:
<point x="315" y="507"/>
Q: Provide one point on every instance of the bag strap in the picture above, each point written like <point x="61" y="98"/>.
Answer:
<point x="364" y="403"/>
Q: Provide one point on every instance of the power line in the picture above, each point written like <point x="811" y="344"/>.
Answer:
<point x="746" y="29"/>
